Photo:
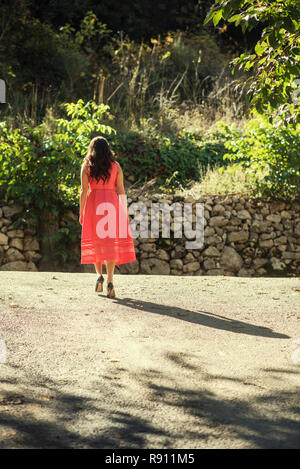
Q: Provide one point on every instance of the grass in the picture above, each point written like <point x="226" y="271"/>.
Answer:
<point x="235" y="179"/>
<point x="217" y="180"/>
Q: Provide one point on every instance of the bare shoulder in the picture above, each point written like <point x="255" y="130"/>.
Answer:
<point x="118" y="166"/>
<point x="84" y="167"/>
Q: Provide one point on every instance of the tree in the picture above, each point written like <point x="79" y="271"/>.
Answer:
<point x="139" y="19"/>
<point x="273" y="81"/>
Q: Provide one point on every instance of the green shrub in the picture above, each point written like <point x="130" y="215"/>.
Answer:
<point x="263" y="148"/>
<point x="161" y="156"/>
<point x="43" y="171"/>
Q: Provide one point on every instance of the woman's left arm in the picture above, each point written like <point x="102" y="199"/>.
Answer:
<point x="83" y="191"/>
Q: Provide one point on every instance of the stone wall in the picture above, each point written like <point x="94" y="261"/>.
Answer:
<point x="243" y="237"/>
<point x="19" y="248"/>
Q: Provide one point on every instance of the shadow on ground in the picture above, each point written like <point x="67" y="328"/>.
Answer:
<point x="269" y="420"/>
<point x="203" y="318"/>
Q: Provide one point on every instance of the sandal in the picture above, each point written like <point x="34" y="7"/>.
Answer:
<point x="110" y="290"/>
<point x="99" y="284"/>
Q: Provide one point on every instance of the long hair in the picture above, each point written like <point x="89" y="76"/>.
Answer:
<point x="99" y="158"/>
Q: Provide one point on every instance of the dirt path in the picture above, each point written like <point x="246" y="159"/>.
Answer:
<point x="173" y="362"/>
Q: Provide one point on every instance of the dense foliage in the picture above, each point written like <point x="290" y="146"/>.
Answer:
<point x="128" y="54"/>
<point x="42" y="169"/>
<point x="274" y="62"/>
<point x="266" y="150"/>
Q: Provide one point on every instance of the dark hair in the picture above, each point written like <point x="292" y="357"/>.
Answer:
<point x="99" y="158"/>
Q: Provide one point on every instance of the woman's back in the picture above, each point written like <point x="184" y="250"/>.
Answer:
<point x="110" y="183"/>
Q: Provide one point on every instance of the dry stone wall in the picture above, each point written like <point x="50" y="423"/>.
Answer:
<point x="19" y="248"/>
<point x="243" y="237"/>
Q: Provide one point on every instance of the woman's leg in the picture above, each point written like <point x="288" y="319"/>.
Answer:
<point x="110" y="267"/>
<point x="98" y="267"/>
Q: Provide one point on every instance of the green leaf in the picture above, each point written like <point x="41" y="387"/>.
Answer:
<point x="209" y="15"/>
<point x="235" y="18"/>
<point x="217" y="17"/>
<point x="260" y="48"/>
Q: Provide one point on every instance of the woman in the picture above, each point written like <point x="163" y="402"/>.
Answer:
<point x="106" y="236"/>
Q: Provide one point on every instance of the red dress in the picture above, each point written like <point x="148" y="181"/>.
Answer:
<point x="105" y="233"/>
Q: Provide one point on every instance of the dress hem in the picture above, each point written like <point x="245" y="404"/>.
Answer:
<point x="92" y="261"/>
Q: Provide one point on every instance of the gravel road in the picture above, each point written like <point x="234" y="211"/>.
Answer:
<point x="172" y="362"/>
